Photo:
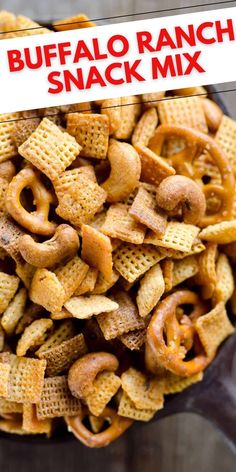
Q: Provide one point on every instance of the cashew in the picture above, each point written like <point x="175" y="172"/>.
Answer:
<point x="125" y="171"/>
<point x="65" y="242"/>
<point x="178" y="191"/>
<point x="84" y="371"/>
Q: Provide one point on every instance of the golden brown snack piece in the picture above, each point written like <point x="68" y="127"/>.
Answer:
<point x="60" y="357"/>
<point x="83" y="372"/>
<point x="184" y="269"/>
<point x="31" y="424"/>
<point x="105" y="386"/>
<point x="103" y="285"/>
<point x="133" y="261"/>
<point x="213" y="328"/>
<point x="5" y="373"/>
<point x="46" y="290"/>
<point x="187" y="111"/>
<point x="25" y="272"/>
<point x="170" y="352"/>
<point x="35" y="221"/>
<point x="226" y="138"/>
<point x="79" y="196"/>
<point x="12" y="425"/>
<point x="2" y="339"/>
<point x="64" y="243"/>
<point x="73" y="22"/>
<point x="118" y="426"/>
<point x="181" y="193"/>
<point x="14" y="312"/>
<point x="3" y="190"/>
<point x="220" y="233"/>
<point x="167" y="267"/>
<point x="144" y="210"/>
<point x="134" y="340"/>
<point x="177" y="236"/>
<point x="56" y="399"/>
<point x="120" y="224"/>
<point x="151" y="289"/>
<point x="31" y="313"/>
<point x="8" y="287"/>
<point x="174" y="383"/>
<point x="122" y="320"/>
<point x="88" y="283"/>
<point x="151" y="99"/>
<point x="97" y="250"/>
<point x="8" y="148"/>
<point x="33" y="336"/>
<point x="10" y="235"/>
<point x="145" y="128"/>
<point x="112" y="108"/>
<point x="7" y="407"/>
<point x="207" y="270"/>
<point x="24" y="128"/>
<point x="71" y="274"/>
<point x="153" y="168"/>
<point x="143" y="390"/>
<point x="65" y="331"/>
<point x="213" y="114"/>
<point x="91" y="131"/>
<point x="7" y="170"/>
<point x="63" y="149"/>
<point x="25" y="381"/>
<point x="85" y="307"/>
<point x="7" y="21"/>
<point x="128" y="409"/>
<point x="130" y="111"/>
<point x="224" y="280"/>
<point x="125" y="171"/>
<point x="96" y="423"/>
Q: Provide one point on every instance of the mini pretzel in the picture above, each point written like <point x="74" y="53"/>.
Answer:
<point x="65" y="242"/>
<point x="36" y="221"/>
<point x="178" y="191"/>
<point x="180" y="335"/>
<point x="84" y="371"/>
<point x="183" y="161"/>
<point x="118" y="425"/>
<point x="125" y="171"/>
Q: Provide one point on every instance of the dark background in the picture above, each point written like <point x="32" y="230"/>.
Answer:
<point x="181" y="443"/>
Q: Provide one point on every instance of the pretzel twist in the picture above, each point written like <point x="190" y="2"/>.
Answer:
<point x="170" y="336"/>
<point x="36" y="221"/>
<point x="118" y="426"/>
<point x="183" y="160"/>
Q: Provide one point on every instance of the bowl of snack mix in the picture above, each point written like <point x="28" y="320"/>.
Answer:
<point x="117" y="253"/>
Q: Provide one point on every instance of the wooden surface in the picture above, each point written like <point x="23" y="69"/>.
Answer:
<point x="182" y="443"/>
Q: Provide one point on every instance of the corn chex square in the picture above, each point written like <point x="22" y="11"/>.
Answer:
<point x="133" y="261"/>
<point x="91" y="131"/>
<point x="50" y="149"/>
<point x="178" y="236"/>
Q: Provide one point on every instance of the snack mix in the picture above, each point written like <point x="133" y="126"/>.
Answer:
<point x="117" y="249"/>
